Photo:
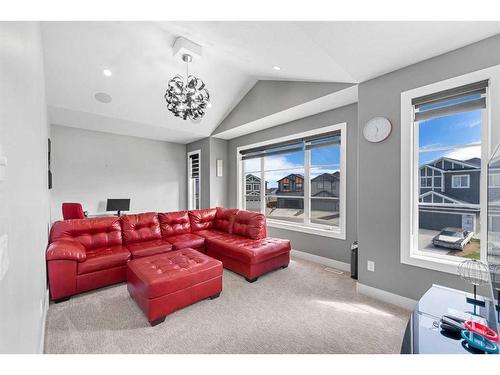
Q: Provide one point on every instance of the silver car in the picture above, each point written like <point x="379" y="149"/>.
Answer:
<point x="452" y="238"/>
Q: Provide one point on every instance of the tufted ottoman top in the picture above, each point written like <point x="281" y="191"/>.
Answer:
<point x="166" y="273"/>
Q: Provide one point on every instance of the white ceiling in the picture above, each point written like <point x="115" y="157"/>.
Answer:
<point x="235" y="56"/>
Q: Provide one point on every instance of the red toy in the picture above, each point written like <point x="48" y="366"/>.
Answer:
<point x="482" y="330"/>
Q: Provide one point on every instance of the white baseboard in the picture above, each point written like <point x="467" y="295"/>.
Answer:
<point x="388" y="297"/>
<point x="44" y="320"/>
<point x="322" y="260"/>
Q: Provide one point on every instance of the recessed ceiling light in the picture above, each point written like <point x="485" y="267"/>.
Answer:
<point x="276" y="67"/>
<point x="107" y="72"/>
<point x="103" y="97"/>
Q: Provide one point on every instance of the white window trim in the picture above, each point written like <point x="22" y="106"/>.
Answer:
<point x="409" y="252"/>
<point x="459" y="178"/>
<point x="190" y="202"/>
<point x="340" y="232"/>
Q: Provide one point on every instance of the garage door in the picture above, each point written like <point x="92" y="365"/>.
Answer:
<point x="438" y="220"/>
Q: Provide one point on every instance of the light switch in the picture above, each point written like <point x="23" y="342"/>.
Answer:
<point x="371" y="266"/>
<point x="4" y="255"/>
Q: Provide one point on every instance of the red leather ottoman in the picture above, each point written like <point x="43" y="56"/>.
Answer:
<point x="163" y="283"/>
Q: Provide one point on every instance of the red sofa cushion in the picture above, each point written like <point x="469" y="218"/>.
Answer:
<point x="202" y="219"/>
<point x="104" y="258"/>
<point x="174" y="223"/>
<point x="247" y="250"/>
<point x="147" y="248"/>
<point x="250" y="224"/>
<point x="183" y="241"/>
<point x="224" y="218"/>
<point x="66" y="250"/>
<point x="163" y="274"/>
<point x="211" y="233"/>
<point x="140" y="227"/>
<point x="91" y="233"/>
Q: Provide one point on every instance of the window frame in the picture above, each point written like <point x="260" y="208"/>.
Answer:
<point x="190" y="201"/>
<point x="409" y="253"/>
<point x="336" y="232"/>
<point x="459" y="177"/>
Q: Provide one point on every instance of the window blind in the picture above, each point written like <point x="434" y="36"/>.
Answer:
<point x="194" y="160"/>
<point x="459" y="99"/>
<point x="295" y="145"/>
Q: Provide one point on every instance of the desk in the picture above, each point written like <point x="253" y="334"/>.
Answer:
<point x="101" y="215"/>
<point x="423" y="337"/>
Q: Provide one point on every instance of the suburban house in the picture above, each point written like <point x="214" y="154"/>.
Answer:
<point x="252" y="189"/>
<point x="325" y="185"/>
<point x="449" y="194"/>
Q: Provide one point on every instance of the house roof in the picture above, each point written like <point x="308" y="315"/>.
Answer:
<point x="249" y="176"/>
<point x="328" y="176"/>
<point x="291" y="175"/>
<point x="474" y="163"/>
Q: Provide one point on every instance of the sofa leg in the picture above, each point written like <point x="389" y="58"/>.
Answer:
<point x="251" y="280"/>
<point x="64" y="299"/>
<point x="157" y="321"/>
<point x="284" y="266"/>
<point x="215" y="296"/>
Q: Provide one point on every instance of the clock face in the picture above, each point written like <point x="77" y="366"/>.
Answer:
<point x="377" y="129"/>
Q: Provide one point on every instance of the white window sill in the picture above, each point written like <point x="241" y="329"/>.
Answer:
<point x="331" y="233"/>
<point x="434" y="263"/>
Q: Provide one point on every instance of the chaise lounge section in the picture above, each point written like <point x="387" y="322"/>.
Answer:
<point x="86" y="254"/>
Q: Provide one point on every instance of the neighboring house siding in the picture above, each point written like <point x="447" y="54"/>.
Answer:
<point x="441" y="204"/>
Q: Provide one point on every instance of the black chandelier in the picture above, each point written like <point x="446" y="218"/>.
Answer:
<point x="187" y="99"/>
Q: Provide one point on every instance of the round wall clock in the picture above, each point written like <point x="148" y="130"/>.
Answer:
<point x="377" y="129"/>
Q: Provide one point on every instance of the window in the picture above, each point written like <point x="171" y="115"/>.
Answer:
<point x="445" y="130"/>
<point x="303" y="179"/>
<point x="194" y="162"/>
<point x="494" y="180"/>
<point x="460" y="181"/>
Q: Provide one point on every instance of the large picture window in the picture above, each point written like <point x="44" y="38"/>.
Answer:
<point x="301" y="181"/>
<point x="445" y="130"/>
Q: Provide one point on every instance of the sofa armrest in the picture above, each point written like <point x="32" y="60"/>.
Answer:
<point x="66" y="250"/>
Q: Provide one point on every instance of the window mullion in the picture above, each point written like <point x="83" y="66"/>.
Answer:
<point x="307" y="187"/>
<point x="262" y="187"/>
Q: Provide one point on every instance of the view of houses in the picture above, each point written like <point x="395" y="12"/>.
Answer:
<point x="450" y="197"/>
<point x="287" y="200"/>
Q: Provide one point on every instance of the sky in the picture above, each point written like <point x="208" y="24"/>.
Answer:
<point x="323" y="160"/>
<point x="439" y="136"/>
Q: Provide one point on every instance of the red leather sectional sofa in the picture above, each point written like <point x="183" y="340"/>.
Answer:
<point x="86" y="254"/>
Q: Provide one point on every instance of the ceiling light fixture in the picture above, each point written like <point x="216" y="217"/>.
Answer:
<point x="107" y="72"/>
<point x="187" y="99"/>
<point x="276" y="67"/>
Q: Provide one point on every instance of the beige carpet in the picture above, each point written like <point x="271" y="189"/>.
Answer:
<point x="301" y="309"/>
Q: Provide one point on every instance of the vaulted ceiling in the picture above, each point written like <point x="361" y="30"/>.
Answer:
<point x="235" y="56"/>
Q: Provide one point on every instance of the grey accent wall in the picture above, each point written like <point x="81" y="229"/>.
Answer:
<point x="268" y="97"/>
<point x="318" y="245"/>
<point x="90" y="167"/>
<point x="24" y="196"/>
<point x="379" y="169"/>
<point x="213" y="188"/>
<point x="218" y="185"/>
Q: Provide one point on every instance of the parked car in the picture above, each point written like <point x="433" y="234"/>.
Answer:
<point x="452" y="238"/>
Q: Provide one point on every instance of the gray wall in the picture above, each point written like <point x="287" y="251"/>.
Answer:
<point x="269" y="97"/>
<point x="322" y="246"/>
<point x="213" y="188"/>
<point x="379" y="169"/>
<point x="89" y="167"/>
<point x="24" y="196"/>
<point x="218" y="185"/>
